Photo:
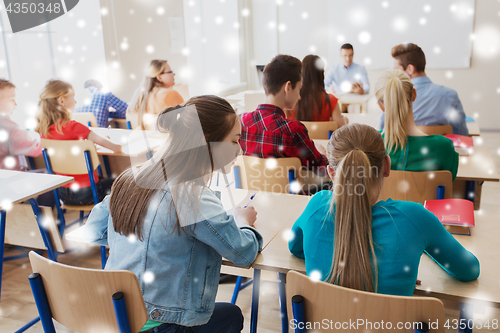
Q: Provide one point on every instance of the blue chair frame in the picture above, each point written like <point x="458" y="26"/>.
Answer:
<point x="93" y="188"/>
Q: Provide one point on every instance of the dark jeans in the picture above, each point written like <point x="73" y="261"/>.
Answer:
<point x="83" y="196"/>
<point x="227" y="318"/>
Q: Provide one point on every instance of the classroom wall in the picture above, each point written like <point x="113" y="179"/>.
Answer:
<point x="477" y="86"/>
<point x="135" y="32"/>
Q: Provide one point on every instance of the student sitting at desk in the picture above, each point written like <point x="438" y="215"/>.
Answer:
<point x="347" y="77"/>
<point x="101" y="102"/>
<point x="13" y="140"/>
<point x="163" y="223"/>
<point x="409" y="148"/>
<point x="352" y="238"/>
<point x="153" y="95"/>
<point x="266" y="132"/>
<point x="57" y="101"/>
<point x="435" y="104"/>
<point x="315" y="104"/>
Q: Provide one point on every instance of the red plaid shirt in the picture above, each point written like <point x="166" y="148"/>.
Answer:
<point x="267" y="133"/>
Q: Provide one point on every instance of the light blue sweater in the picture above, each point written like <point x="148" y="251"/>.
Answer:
<point x="402" y="231"/>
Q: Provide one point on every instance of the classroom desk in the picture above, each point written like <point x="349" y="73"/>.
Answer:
<point x="21" y="186"/>
<point x="473" y="128"/>
<point x="134" y="142"/>
<point x="473" y="171"/>
<point x="137" y="145"/>
<point x="356" y="99"/>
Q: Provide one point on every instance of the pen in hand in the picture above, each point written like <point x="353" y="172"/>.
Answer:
<point x="250" y="200"/>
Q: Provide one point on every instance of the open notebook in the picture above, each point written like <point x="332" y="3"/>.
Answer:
<point x="457" y="215"/>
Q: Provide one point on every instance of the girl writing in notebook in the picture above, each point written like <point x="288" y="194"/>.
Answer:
<point x="57" y="102"/>
<point x="163" y="223"/>
<point x="153" y="95"/>
<point x="409" y="148"/>
<point x="350" y="237"/>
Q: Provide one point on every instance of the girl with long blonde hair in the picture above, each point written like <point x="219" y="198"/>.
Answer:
<point x="409" y="148"/>
<point x="153" y="95"/>
<point x="57" y="102"/>
<point x="352" y="238"/>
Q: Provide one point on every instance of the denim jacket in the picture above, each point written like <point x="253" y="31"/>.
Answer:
<point x="178" y="273"/>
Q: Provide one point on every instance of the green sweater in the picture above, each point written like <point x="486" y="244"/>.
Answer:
<point x="425" y="153"/>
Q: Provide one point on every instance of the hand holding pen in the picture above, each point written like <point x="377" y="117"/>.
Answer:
<point x="247" y="215"/>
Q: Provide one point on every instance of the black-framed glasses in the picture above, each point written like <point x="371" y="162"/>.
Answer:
<point x="169" y="72"/>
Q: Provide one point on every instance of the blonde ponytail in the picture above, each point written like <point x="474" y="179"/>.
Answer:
<point x="49" y="111"/>
<point x="137" y="107"/>
<point x="356" y="152"/>
<point x="394" y="90"/>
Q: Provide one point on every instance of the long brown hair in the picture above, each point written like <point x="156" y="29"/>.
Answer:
<point x="313" y="88"/>
<point x="356" y="152"/>
<point x="49" y="110"/>
<point x="395" y="90"/>
<point x="179" y="165"/>
<point x="137" y="106"/>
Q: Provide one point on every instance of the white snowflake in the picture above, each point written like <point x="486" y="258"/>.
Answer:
<point x="9" y="162"/>
<point x="315" y="275"/>
<point x="4" y="136"/>
<point x="6" y="204"/>
<point x="148" y="277"/>
<point x="364" y="37"/>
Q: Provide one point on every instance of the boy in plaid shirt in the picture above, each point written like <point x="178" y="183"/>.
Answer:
<point x="266" y="132"/>
<point x="101" y="102"/>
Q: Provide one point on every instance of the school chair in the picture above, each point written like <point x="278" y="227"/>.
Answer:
<point x="85" y="118"/>
<point x="34" y="227"/>
<point x="279" y="175"/>
<point x="88" y="119"/>
<point x="416" y="186"/>
<point x="436" y="130"/>
<point x="313" y="302"/>
<point x="73" y="157"/>
<point x="252" y="101"/>
<point x="86" y="300"/>
<point x="320" y="130"/>
<point x="183" y="90"/>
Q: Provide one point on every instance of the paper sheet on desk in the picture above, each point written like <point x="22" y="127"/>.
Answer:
<point x="87" y="235"/>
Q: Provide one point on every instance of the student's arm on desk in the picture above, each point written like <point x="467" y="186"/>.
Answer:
<point x="95" y="230"/>
<point x="443" y="248"/>
<point x="104" y="142"/>
<point x="217" y="229"/>
<point x="296" y="241"/>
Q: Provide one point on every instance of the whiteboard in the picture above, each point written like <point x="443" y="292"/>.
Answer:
<point x="442" y="28"/>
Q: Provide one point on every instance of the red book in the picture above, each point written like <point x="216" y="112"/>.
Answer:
<point x="457" y="215"/>
<point x="461" y="141"/>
